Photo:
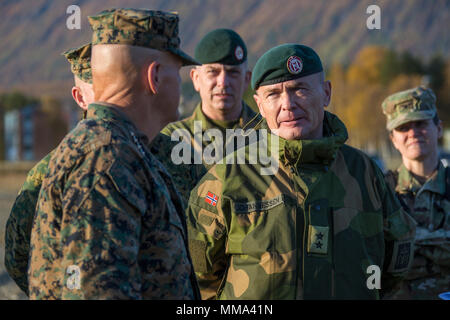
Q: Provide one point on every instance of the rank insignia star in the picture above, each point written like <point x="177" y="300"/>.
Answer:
<point x="318" y="239"/>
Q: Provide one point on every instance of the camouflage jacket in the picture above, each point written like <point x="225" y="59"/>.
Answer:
<point x="109" y="223"/>
<point x="18" y="226"/>
<point x="310" y="231"/>
<point x="429" y="205"/>
<point x="187" y="129"/>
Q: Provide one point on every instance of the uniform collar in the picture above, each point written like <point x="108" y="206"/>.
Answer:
<point x="408" y="183"/>
<point x="112" y="113"/>
<point x="317" y="151"/>
<point x="246" y="115"/>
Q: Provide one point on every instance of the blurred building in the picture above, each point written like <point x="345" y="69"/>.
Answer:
<point x="30" y="133"/>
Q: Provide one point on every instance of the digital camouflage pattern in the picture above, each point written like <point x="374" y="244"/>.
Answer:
<point x="109" y="209"/>
<point x="138" y="27"/>
<point x="429" y="205"/>
<point x="410" y="105"/>
<point x="310" y="231"/>
<point x="18" y="226"/>
<point x="80" y="62"/>
<point x="184" y="176"/>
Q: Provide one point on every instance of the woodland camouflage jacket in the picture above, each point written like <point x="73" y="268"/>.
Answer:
<point x="310" y="231"/>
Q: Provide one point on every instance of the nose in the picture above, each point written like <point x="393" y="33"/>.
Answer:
<point x="222" y="79"/>
<point x="287" y="101"/>
<point x="413" y="131"/>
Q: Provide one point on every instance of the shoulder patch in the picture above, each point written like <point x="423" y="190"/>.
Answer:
<point x="402" y="256"/>
<point x="211" y="199"/>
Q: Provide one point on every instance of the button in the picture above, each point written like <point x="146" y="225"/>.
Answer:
<point x="317" y="207"/>
<point x="326" y="168"/>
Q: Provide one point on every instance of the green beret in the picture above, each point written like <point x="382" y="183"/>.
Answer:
<point x="221" y="46"/>
<point x="138" y="27"/>
<point x="410" y="105"/>
<point x="80" y="62"/>
<point x="285" y="62"/>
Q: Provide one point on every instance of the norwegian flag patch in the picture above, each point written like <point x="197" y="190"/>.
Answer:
<point x="211" y="199"/>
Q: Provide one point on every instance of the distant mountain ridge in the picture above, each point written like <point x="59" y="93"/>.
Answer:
<point x="34" y="33"/>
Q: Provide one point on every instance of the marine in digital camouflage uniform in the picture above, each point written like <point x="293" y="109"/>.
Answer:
<point x="312" y="228"/>
<point x="412" y="116"/>
<point x="224" y="51"/>
<point x="109" y="222"/>
<point x="18" y="226"/>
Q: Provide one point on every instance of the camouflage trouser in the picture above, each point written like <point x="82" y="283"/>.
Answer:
<point x="423" y="289"/>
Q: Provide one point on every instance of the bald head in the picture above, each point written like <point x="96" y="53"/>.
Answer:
<point x="119" y="70"/>
<point x="144" y="82"/>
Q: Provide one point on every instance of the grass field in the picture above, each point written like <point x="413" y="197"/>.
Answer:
<point x="10" y="184"/>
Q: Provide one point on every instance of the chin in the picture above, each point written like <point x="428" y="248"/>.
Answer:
<point x="291" y="135"/>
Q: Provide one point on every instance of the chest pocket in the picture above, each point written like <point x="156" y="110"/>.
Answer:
<point x="255" y="224"/>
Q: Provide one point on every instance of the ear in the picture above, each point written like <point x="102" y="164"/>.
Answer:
<point x="440" y="129"/>
<point x="258" y="101"/>
<point x="248" y="77"/>
<point x="391" y="136"/>
<point x="78" y="97"/>
<point x="194" y="74"/>
<point x="327" y="90"/>
<point x="153" y="76"/>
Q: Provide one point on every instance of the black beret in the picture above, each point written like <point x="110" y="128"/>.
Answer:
<point x="221" y="46"/>
<point x="285" y="62"/>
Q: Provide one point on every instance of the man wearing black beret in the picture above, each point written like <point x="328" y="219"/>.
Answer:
<point x="324" y="225"/>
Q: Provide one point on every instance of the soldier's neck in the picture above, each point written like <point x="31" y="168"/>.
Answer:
<point x="423" y="168"/>
<point x="139" y="111"/>
<point x="222" y="115"/>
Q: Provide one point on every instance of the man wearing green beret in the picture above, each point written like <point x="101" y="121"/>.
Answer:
<point x="109" y="222"/>
<point x="423" y="185"/>
<point x="18" y="226"/>
<point x="324" y="225"/>
<point x="221" y="81"/>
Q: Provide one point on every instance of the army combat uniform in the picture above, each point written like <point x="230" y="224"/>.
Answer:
<point x="429" y="205"/>
<point x="427" y="202"/>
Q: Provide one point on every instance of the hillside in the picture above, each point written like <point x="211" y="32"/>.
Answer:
<point x="34" y="33"/>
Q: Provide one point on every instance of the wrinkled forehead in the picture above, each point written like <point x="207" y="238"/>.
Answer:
<point x="220" y="66"/>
